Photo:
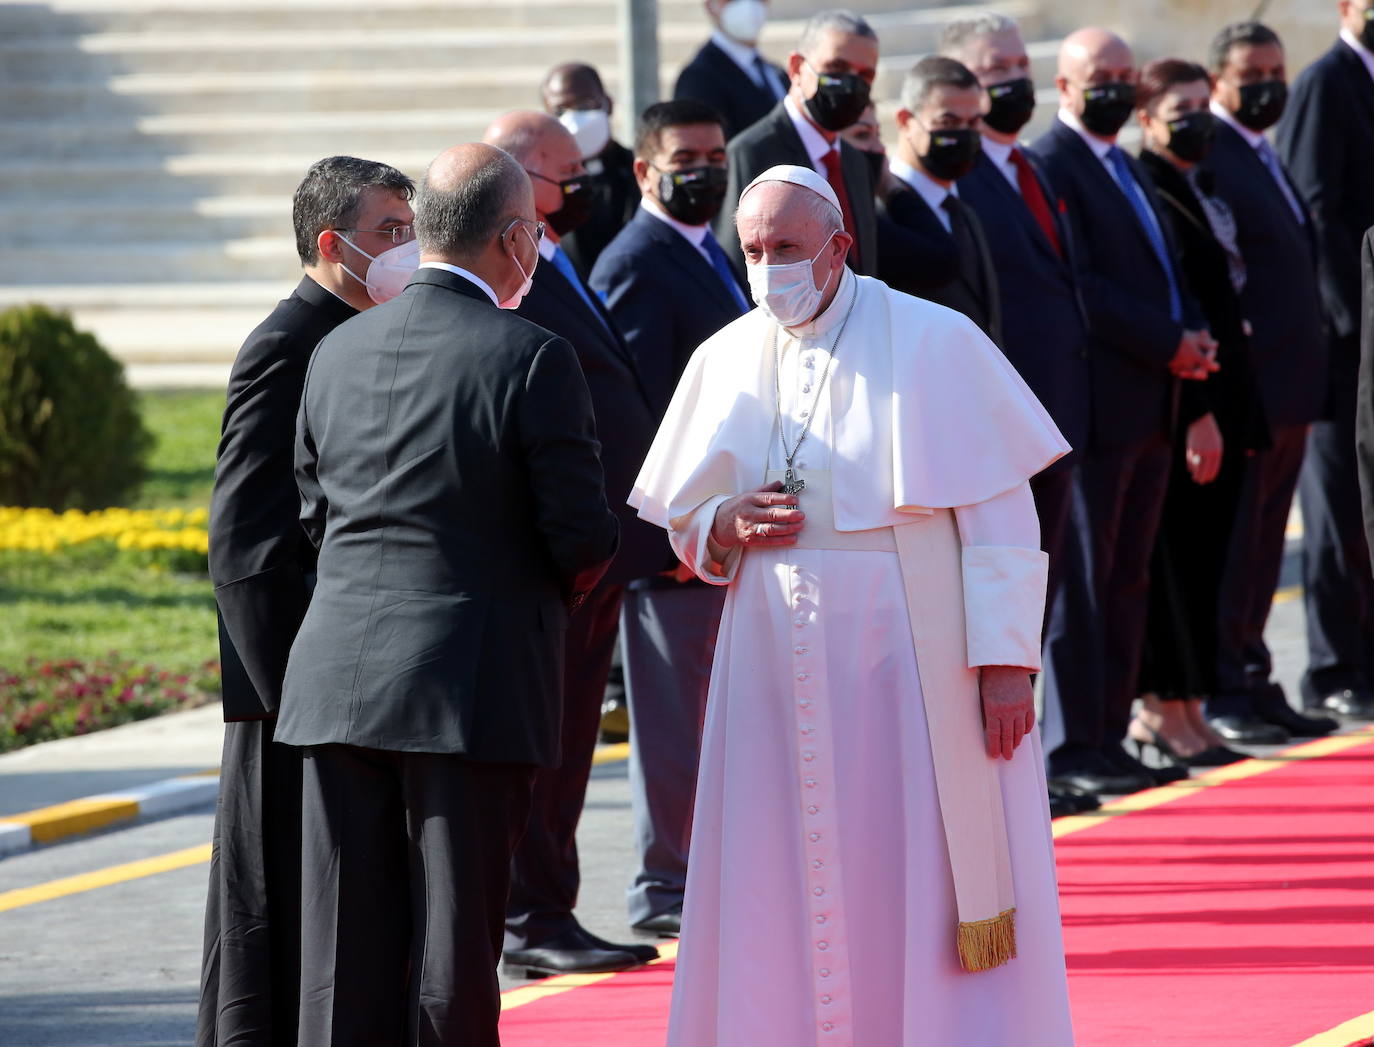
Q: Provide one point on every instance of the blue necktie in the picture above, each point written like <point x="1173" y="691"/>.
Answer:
<point x="1126" y="180"/>
<point x="564" y="265"/>
<point x="1271" y="161"/>
<point x="721" y="265"/>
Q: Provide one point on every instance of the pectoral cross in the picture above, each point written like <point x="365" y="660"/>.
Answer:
<point x="790" y="483"/>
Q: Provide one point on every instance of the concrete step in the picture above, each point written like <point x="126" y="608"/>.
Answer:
<point x="167" y="216"/>
<point x="267" y="257"/>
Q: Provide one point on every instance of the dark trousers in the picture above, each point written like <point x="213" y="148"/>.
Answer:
<point x="250" y="972"/>
<point x="1254" y="560"/>
<point x="544" y="873"/>
<point x="669" y="636"/>
<point x="1338" y="586"/>
<point x="1101" y="625"/>
<point x="403" y="893"/>
<point x="1053" y="494"/>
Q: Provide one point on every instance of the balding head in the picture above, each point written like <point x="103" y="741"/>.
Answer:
<point x="546" y="150"/>
<point x="469" y="194"/>
<point x="1096" y="79"/>
<point x="780" y="223"/>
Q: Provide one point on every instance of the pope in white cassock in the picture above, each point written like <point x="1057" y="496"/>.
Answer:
<point x="871" y="860"/>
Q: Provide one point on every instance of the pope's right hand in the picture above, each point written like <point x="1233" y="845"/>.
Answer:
<point x="764" y="517"/>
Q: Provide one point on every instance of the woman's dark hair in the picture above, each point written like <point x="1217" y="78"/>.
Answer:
<point x="1160" y="75"/>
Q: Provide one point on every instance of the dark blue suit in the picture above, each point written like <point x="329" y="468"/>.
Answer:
<point x="667" y="299"/>
<point x="1288" y="351"/>
<point x="1124" y="473"/>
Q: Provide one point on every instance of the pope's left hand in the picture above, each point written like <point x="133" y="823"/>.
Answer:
<point x="1008" y="708"/>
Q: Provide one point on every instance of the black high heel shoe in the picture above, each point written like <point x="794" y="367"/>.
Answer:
<point x="1165" y="753"/>
<point x="1217" y="756"/>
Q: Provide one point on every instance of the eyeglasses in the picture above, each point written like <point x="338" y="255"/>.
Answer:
<point x="399" y="234"/>
<point x="538" y="227"/>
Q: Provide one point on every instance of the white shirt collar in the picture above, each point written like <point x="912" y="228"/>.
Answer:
<point x="932" y="192"/>
<point x="742" y="55"/>
<point x="814" y="142"/>
<point x="1000" y="155"/>
<point x="1254" y="138"/>
<point x="1366" y="55"/>
<point x="1099" y="146"/>
<point x="470" y="277"/>
<point x="547" y="248"/>
<point x="693" y="234"/>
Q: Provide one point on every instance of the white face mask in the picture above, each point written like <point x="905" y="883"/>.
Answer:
<point x="513" y="302"/>
<point x="788" y="293"/>
<point x="590" y="127"/>
<point x="389" y="272"/>
<point x="743" y="20"/>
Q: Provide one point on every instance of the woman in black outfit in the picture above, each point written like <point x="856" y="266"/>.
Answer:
<point x="1220" y="422"/>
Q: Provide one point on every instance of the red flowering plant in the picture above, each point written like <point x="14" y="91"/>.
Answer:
<point x="57" y="699"/>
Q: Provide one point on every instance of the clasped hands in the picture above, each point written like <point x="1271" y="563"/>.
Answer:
<point x="1196" y="356"/>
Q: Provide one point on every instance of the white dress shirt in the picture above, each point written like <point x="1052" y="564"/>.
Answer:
<point x="1366" y="55"/>
<point x="814" y="142"/>
<point x="470" y="277"/>
<point x="742" y="55"/>
<point x="931" y="191"/>
<point x="1000" y="155"/>
<point x="693" y="234"/>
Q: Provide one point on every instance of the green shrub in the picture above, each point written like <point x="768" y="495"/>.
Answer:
<point x="70" y="433"/>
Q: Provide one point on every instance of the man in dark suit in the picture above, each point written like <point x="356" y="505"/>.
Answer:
<point x="572" y="92"/>
<point x="1146" y="332"/>
<point x="1283" y="306"/>
<point x="1364" y="431"/>
<point x="669" y="288"/>
<point x="262" y="565"/>
<point x="447" y="460"/>
<point x="938" y="144"/>
<point x="831" y="74"/>
<point x="728" y="73"/>
<point x="1326" y="138"/>
<point x="542" y="935"/>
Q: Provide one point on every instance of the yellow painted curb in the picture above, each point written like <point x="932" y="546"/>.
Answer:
<point x="76" y="816"/>
<point x="45" y="892"/>
<point x="611" y="753"/>
<point x="1344" y="1034"/>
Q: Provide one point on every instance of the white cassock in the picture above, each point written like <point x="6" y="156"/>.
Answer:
<point x="820" y="902"/>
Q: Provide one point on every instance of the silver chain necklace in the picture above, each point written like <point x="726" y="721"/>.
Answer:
<point x="792" y="485"/>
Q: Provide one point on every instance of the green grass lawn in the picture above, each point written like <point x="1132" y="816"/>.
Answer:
<point x="85" y="606"/>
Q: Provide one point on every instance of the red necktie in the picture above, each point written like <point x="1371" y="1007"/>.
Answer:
<point x="1035" y="198"/>
<point x="835" y="176"/>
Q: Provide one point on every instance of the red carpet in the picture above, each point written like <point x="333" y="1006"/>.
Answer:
<point x="1239" y="914"/>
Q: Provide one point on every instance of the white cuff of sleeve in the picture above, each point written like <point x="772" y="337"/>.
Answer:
<point x="1004" y="604"/>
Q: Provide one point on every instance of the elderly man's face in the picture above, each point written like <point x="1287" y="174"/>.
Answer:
<point x="557" y="161"/>
<point x="778" y="224"/>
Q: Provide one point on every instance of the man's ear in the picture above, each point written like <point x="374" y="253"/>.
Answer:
<point x="844" y="242"/>
<point x="794" y="67"/>
<point x="330" y="246"/>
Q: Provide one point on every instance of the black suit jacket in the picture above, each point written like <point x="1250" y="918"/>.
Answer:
<point x="625" y="421"/>
<point x="1281" y="300"/>
<point x="713" y="77"/>
<point x="1125" y="292"/>
<point x="259" y="556"/>
<point x="1364" y="417"/>
<point x="1044" y="326"/>
<point x="910" y="235"/>
<point x="615" y="196"/>
<point x="447" y="461"/>
<point x="772" y="141"/>
<point x="665" y="298"/>
<point x="1326" y="139"/>
<point x="1230" y="394"/>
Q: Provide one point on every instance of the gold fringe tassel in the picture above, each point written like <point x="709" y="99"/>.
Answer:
<point x="985" y="944"/>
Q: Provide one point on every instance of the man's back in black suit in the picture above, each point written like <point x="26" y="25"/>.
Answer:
<point x="716" y="79"/>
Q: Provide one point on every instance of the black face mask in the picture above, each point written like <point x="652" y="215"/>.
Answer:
<point x="577" y="203"/>
<point x="1262" y="104"/>
<point x="1190" y="136"/>
<point x="692" y="196"/>
<point x="952" y="154"/>
<point x="839" y="101"/>
<point x="1013" y="103"/>
<point x="1106" y="107"/>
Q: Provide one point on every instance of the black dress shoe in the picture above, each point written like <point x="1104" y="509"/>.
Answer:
<point x="1128" y="764"/>
<point x="1271" y="706"/>
<point x="664" y="925"/>
<point x="567" y="953"/>
<point x="1078" y="801"/>
<point x="1061" y="806"/>
<point x="1089" y="771"/>
<point x="1217" y="756"/>
<point x="641" y="952"/>
<point x="1248" y="729"/>
<point x="1350" y="704"/>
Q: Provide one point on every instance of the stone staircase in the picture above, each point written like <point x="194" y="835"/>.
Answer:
<point x="148" y="148"/>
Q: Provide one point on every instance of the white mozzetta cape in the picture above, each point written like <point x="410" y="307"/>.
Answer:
<point x="927" y="414"/>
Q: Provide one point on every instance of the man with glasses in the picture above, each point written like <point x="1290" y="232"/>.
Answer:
<point x="353" y="225"/>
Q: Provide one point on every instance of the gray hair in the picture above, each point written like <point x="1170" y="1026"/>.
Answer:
<point x="462" y="219"/>
<point x="961" y="32"/>
<point x="929" y="73"/>
<point x="331" y="193"/>
<point x="837" y="20"/>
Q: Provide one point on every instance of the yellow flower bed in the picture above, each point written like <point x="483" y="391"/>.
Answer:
<point x="44" y="531"/>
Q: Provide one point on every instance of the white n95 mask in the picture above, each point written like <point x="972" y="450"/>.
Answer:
<point x="591" y="128"/>
<point x="788" y="293"/>
<point x="743" y="20"/>
<point x="389" y="272"/>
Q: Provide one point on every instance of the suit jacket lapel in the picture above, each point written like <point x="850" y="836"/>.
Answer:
<point x="602" y="323"/>
<point x="1110" y="187"/>
<point x="1361" y="82"/>
<point x="738" y="80"/>
<point x="689" y="260"/>
<point x="1017" y="203"/>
